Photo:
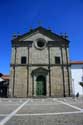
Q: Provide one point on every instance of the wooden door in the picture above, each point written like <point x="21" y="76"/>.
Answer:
<point x="41" y="86"/>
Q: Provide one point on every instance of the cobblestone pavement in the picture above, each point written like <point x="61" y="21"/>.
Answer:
<point x="44" y="111"/>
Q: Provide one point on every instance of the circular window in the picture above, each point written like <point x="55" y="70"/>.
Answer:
<point x="40" y="43"/>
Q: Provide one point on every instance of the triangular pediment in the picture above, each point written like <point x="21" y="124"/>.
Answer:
<point x="41" y="32"/>
<point x="35" y="36"/>
<point x="40" y="70"/>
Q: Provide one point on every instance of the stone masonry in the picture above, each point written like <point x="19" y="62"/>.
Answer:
<point x="39" y="48"/>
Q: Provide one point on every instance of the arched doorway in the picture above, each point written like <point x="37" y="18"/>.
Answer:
<point x="41" y="85"/>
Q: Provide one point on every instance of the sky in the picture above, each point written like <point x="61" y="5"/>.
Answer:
<point x="17" y="16"/>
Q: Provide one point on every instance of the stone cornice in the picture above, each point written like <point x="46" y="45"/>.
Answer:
<point x="39" y="65"/>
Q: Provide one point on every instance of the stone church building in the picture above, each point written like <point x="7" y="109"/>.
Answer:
<point x="40" y="65"/>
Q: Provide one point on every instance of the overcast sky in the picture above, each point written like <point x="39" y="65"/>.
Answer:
<point x="17" y="16"/>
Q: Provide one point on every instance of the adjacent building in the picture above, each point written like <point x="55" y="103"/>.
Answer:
<point x="4" y="85"/>
<point x="77" y="77"/>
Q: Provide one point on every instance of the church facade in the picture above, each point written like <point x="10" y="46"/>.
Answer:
<point x="40" y="65"/>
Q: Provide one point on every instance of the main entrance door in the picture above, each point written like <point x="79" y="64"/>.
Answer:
<point x="41" y="86"/>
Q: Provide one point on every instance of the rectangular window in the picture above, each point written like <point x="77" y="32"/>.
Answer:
<point x="57" y="60"/>
<point x="23" y="60"/>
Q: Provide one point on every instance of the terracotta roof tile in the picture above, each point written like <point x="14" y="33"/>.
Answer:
<point x="76" y="62"/>
<point x="4" y="77"/>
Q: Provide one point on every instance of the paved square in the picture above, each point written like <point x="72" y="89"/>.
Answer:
<point x="48" y="111"/>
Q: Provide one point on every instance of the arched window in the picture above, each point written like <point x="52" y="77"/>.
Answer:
<point x="23" y="60"/>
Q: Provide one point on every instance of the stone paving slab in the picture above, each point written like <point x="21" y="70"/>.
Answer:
<point x="45" y="109"/>
<point x="74" y="102"/>
<point x="26" y="115"/>
<point x="80" y="105"/>
<point x="1" y="117"/>
<point x="9" y="105"/>
<point x="12" y="100"/>
<point x="71" y="119"/>
<point x="5" y="109"/>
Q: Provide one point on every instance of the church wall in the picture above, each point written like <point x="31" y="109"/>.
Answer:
<point x="30" y="83"/>
<point x="21" y="51"/>
<point x="20" y="85"/>
<point x="11" y="82"/>
<point x="66" y="81"/>
<point x="38" y="56"/>
<point x="68" y="55"/>
<point x="13" y="55"/>
<point x="70" y="78"/>
<point x="56" y="81"/>
<point x="23" y="80"/>
<point x="54" y="51"/>
<point x="64" y="56"/>
<point x="67" y="72"/>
